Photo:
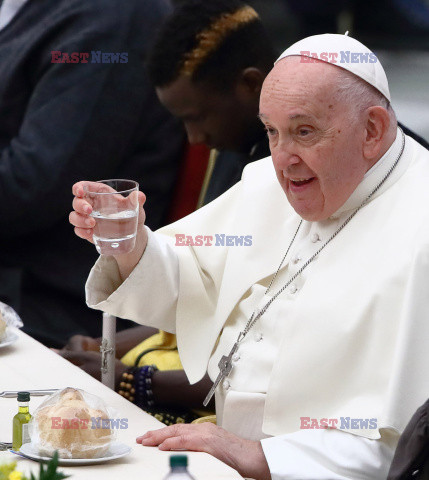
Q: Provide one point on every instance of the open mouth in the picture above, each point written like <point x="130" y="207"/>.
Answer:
<point x="301" y="181"/>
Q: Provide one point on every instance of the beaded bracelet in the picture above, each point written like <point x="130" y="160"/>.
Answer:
<point x="143" y="386"/>
<point x="136" y="386"/>
<point x="126" y="386"/>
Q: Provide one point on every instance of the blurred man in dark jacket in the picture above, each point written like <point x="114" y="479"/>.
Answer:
<point x="75" y="102"/>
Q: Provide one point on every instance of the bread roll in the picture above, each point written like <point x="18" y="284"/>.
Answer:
<point x="68" y="426"/>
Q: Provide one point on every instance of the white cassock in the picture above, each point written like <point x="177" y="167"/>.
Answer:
<point x="346" y="342"/>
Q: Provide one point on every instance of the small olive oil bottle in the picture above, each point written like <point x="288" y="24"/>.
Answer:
<point x="20" y="422"/>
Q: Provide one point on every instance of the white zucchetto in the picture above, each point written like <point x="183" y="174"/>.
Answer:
<point x="344" y="52"/>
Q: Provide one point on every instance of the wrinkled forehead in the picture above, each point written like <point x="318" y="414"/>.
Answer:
<point x="292" y="82"/>
<point x="292" y="75"/>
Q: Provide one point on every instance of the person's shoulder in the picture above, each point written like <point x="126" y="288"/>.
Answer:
<point x="419" y="159"/>
<point x="259" y="178"/>
<point x="260" y="168"/>
<point x="419" y="148"/>
<point x="415" y="136"/>
<point x="412" y="192"/>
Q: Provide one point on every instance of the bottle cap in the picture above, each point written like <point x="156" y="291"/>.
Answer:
<point x="23" y="396"/>
<point x="178" y="461"/>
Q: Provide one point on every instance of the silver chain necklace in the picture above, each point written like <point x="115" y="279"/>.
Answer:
<point x="225" y="363"/>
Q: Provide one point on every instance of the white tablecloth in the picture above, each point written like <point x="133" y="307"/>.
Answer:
<point x="28" y="365"/>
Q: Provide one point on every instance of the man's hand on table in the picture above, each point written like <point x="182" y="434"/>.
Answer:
<point x="125" y="341"/>
<point x="90" y="363"/>
<point x="82" y="343"/>
<point x="245" y="456"/>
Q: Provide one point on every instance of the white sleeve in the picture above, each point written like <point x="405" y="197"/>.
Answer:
<point x="148" y="296"/>
<point x="329" y="455"/>
<point x="150" y="293"/>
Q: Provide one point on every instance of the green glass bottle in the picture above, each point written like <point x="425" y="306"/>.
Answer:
<point x="20" y="422"/>
<point x="179" y="468"/>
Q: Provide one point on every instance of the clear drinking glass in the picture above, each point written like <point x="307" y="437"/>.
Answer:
<point x="115" y="208"/>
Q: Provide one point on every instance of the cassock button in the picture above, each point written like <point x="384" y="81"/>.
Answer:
<point x="236" y="357"/>
<point x="258" y="337"/>
<point x="293" y="289"/>
<point x="226" y="385"/>
<point x="315" y="237"/>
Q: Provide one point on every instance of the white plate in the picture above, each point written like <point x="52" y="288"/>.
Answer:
<point x="8" y="339"/>
<point x="116" y="450"/>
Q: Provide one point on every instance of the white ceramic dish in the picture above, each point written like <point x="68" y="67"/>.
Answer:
<point x="116" y="450"/>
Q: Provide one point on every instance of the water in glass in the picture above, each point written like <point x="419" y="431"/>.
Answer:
<point x="115" y="232"/>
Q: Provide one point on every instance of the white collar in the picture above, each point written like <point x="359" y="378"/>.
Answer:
<point x="374" y="176"/>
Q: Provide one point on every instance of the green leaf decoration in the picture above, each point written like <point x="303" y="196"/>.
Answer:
<point x="48" y="473"/>
<point x="51" y="470"/>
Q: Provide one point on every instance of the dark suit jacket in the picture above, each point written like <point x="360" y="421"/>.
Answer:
<point x="411" y="459"/>
<point x="64" y="122"/>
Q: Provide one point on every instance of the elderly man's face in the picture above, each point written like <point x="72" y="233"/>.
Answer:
<point x="315" y="142"/>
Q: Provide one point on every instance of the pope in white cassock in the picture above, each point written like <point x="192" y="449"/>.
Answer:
<point x="324" y="319"/>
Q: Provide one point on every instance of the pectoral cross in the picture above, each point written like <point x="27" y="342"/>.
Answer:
<point x="225" y="367"/>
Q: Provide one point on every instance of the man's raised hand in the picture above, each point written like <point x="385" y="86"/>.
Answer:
<point x="84" y="224"/>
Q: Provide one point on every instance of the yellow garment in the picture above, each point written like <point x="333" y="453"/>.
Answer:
<point x="162" y="352"/>
<point x="205" y="419"/>
<point x="165" y="356"/>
